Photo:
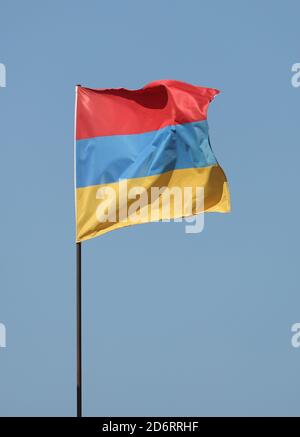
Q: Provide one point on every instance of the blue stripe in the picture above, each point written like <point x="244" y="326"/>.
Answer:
<point x="107" y="159"/>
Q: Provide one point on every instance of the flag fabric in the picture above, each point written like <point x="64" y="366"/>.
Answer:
<point x="127" y="141"/>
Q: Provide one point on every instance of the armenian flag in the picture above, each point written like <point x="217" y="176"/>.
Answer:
<point x="132" y="141"/>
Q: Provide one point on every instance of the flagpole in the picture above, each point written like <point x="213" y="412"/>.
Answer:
<point x="78" y="291"/>
<point x="78" y="347"/>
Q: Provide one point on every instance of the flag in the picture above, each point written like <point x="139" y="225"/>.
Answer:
<point x="134" y="146"/>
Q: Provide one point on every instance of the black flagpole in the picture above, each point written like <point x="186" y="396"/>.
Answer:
<point x="78" y="310"/>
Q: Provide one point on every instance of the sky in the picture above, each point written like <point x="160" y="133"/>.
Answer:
<point x="174" y="324"/>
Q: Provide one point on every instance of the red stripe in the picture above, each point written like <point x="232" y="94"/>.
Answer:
<point x="120" y="111"/>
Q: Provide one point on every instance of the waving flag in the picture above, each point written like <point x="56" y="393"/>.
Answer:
<point x="130" y="142"/>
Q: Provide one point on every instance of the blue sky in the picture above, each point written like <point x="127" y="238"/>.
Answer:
<point x="174" y="324"/>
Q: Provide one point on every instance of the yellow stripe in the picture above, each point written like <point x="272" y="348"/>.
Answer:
<point x="212" y="179"/>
